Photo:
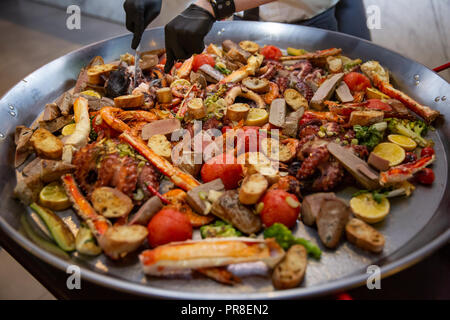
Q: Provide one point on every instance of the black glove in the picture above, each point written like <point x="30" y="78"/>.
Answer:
<point x="184" y="34"/>
<point x="139" y="15"/>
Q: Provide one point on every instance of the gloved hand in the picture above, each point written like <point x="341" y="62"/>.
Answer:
<point x="184" y="34"/>
<point x="139" y="15"/>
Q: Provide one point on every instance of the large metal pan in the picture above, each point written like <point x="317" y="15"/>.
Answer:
<point x="415" y="228"/>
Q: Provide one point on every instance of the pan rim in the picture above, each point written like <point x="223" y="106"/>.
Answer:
<point x="144" y="290"/>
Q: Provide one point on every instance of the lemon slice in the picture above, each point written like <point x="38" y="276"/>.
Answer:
<point x="69" y="129"/>
<point x="406" y="143"/>
<point x="391" y="152"/>
<point x="54" y="197"/>
<point x="92" y="93"/>
<point x="367" y="209"/>
<point x="257" y="117"/>
<point x="180" y="82"/>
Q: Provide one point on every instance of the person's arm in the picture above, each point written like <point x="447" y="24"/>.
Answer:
<point x="240" y="5"/>
<point x="184" y="34"/>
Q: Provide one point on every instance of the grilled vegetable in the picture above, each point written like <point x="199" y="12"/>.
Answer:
<point x="253" y="187"/>
<point x="295" y="99"/>
<point x="412" y="129"/>
<point x="46" y="144"/>
<point x="369" y="136"/>
<point x="168" y="225"/>
<point x="58" y="229"/>
<point x="111" y="203"/>
<point x="237" y="112"/>
<point x="249" y="46"/>
<point x="286" y="240"/>
<point x="85" y="242"/>
<point x="364" y="236"/>
<point x="219" y="229"/>
<point x="196" y="109"/>
<point x="38" y="240"/>
<point x="280" y="207"/>
<point x="289" y="273"/>
<point x="160" y="145"/>
<point x="224" y="167"/>
<point x="129" y="101"/>
<point x="257" y="85"/>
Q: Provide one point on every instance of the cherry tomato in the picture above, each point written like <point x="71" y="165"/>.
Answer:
<point x="427" y="152"/>
<point x="168" y="225"/>
<point x="225" y="167"/>
<point x="410" y="157"/>
<point x="202" y="59"/>
<point x="426" y="176"/>
<point x="279" y="209"/>
<point x="178" y="65"/>
<point x="357" y="82"/>
<point x="271" y="52"/>
<point x="377" y="104"/>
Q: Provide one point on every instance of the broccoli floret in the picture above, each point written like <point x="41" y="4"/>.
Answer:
<point x="286" y="240"/>
<point x="219" y="229"/>
<point x="370" y="136"/>
<point x="412" y="129"/>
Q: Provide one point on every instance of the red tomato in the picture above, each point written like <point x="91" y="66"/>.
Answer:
<point x="224" y="167"/>
<point x="377" y="104"/>
<point x="271" y="52"/>
<point x="168" y="225"/>
<point x="427" y="152"/>
<point x="426" y="176"/>
<point x="357" y="82"/>
<point x="202" y="59"/>
<point x="178" y="65"/>
<point x="277" y="209"/>
<point x="163" y="60"/>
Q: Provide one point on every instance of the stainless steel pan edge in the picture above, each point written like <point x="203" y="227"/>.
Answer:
<point x="434" y="234"/>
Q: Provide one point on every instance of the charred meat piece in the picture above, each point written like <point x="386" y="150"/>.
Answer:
<point x="118" y="83"/>
<point x="331" y="221"/>
<point x="229" y="208"/>
<point x="311" y="206"/>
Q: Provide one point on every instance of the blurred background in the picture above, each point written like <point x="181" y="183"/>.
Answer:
<point x="33" y="33"/>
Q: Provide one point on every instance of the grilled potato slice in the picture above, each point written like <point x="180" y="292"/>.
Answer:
<point x="161" y="146"/>
<point x="46" y="144"/>
<point x="95" y="72"/>
<point x="295" y="99"/>
<point x="129" y="101"/>
<point x="238" y="111"/>
<point x="118" y="241"/>
<point x="257" y="85"/>
<point x="364" y="236"/>
<point x="111" y="203"/>
<point x="289" y="273"/>
<point x="249" y="46"/>
<point x="196" y="108"/>
<point x="252" y="189"/>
